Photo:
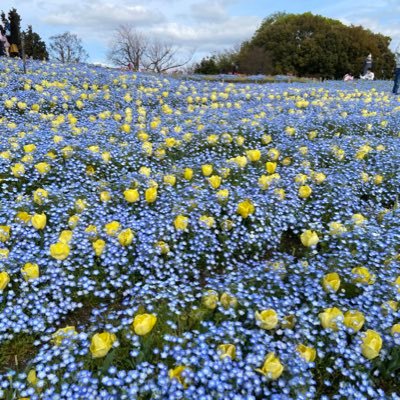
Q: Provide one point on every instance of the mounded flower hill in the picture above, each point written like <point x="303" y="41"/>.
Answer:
<point x="178" y="239"/>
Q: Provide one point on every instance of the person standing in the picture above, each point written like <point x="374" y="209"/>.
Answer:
<point x="3" y="40"/>
<point x="397" y="71"/>
<point x="367" y="64"/>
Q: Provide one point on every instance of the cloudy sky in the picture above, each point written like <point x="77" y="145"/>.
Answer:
<point x="200" y="27"/>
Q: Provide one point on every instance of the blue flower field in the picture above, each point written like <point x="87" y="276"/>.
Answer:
<point x="166" y="238"/>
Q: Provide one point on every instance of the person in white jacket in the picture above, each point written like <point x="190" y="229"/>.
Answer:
<point x="397" y="73"/>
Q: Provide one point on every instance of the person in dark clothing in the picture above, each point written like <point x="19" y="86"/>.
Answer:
<point x="367" y="64"/>
<point x="397" y="72"/>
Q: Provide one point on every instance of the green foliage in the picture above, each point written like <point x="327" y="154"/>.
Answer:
<point x="312" y="45"/>
<point x="35" y="47"/>
<point x="222" y="63"/>
<point x="17" y="352"/>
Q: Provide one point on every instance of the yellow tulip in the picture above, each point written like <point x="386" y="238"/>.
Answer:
<point x="228" y="301"/>
<point x="176" y="373"/>
<point x="270" y="166"/>
<point x="267" y="319"/>
<point x="32" y="378"/>
<point x="354" y="320"/>
<point x="62" y="333"/>
<point x="181" y="222"/>
<point x="144" y="323"/>
<point x="336" y="228"/>
<point x="188" y="174"/>
<point x="101" y="344"/>
<point x="59" y="251"/>
<point x="215" y="181"/>
<point x="305" y="191"/>
<point x="18" y="170"/>
<point x="163" y="247"/>
<point x="362" y="275"/>
<point x="330" y="318"/>
<point x="4" y="279"/>
<point x="210" y="299"/>
<point x="30" y="271"/>
<point x="65" y="236"/>
<point x="112" y="228"/>
<point x="73" y="221"/>
<point x="207" y="169"/>
<point x="371" y="344"/>
<point x="39" y="195"/>
<point x="169" y="180"/>
<point x="206" y="221"/>
<point x="331" y="282"/>
<point x="4" y="233"/>
<point x="42" y="168"/>
<point x="253" y="155"/>
<point x="39" y="221"/>
<point x="395" y="330"/>
<point x="105" y="196"/>
<point x="125" y="237"/>
<point x="98" y="246"/>
<point x="307" y="353"/>
<point x="227" y="350"/>
<point x="151" y="194"/>
<point x="131" y="195"/>
<point x="245" y="208"/>
<point x="309" y="238"/>
<point x="358" y="219"/>
<point x="272" y="367"/>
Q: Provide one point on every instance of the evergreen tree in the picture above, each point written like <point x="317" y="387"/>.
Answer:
<point x="35" y="47"/>
<point x="15" y="27"/>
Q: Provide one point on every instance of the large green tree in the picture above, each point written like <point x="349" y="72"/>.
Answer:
<point x="312" y="45"/>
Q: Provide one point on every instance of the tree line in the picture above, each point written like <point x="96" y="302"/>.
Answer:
<point x="305" y="45"/>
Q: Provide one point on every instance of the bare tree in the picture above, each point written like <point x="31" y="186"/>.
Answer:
<point x="67" y="48"/>
<point x="162" y="56"/>
<point x="127" y="47"/>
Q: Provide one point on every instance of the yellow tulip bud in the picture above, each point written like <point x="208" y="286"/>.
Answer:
<point x="267" y="319"/>
<point x="228" y="301"/>
<point x="331" y="282"/>
<point x="188" y="174"/>
<point x="112" y="228"/>
<point x="30" y="271"/>
<point x="272" y="367"/>
<point x="227" y="350"/>
<point x="253" y="155"/>
<point x="270" y="166"/>
<point x="176" y="373"/>
<point x="101" y="344"/>
<point x="4" y="233"/>
<point x="395" y="330"/>
<point x="309" y="238"/>
<point x="131" y="195"/>
<point x="330" y="318"/>
<point x="125" y="237"/>
<point x="207" y="169"/>
<point x="181" y="222"/>
<point x="363" y="276"/>
<point x="63" y="333"/>
<point x="371" y="344"/>
<point x="151" y="194"/>
<point x="4" y="280"/>
<point x="215" y="181"/>
<point x="354" y="320"/>
<point x="39" y="221"/>
<point x="245" y="208"/>
<point x="307" y="353"/>
<point x="59" y="251"/>
<point x="210" y="299"/>
<point x="144" y="323"/>
<point x="305" y="191"/>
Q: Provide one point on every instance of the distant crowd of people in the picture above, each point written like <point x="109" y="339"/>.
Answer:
<point x="368" y="74"/>
<point x="7" y="48"/>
